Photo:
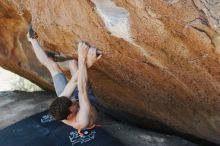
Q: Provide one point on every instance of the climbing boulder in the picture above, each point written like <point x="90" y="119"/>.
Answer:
<point x="161" y="58"/>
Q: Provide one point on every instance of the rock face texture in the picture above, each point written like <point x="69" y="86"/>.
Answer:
<point x="161" y="58"/>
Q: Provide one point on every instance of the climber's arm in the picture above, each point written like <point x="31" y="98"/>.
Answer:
<point x="70" y="87"/>
<point x="91" y="58"/>
<point x="52" y="66"/>
<point x="39" y="52"/>
<point x="84" y="103"/>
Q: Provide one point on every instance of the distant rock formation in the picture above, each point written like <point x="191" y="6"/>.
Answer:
<point x="161" y="62"/>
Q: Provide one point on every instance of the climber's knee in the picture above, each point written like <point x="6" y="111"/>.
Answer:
<point x="53" y="67"/>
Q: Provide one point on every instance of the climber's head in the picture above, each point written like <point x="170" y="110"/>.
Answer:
<point x="63" y="108"/>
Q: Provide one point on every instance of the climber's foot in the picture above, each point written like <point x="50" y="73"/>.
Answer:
<point x="32" y="34"/>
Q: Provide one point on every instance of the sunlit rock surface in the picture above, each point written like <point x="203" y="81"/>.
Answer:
<point x="161" y="59"/>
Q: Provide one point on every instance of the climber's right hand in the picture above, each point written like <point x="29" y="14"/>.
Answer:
<point x="83" y="49"/>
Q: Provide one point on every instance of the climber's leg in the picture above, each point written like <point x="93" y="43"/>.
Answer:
<point x="60" y="82"/>
<point x="59" y="78"/>
<point x="52" y="66"/>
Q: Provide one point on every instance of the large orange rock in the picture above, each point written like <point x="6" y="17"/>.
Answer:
<point x="161" y="57"/>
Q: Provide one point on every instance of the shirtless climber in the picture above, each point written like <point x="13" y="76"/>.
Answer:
<point x="73" y="106"/>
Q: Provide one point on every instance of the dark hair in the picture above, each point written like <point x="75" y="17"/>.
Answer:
<point x="59" y="108"/>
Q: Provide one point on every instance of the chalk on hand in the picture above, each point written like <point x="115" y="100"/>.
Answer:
<point x="98" y="51"/>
